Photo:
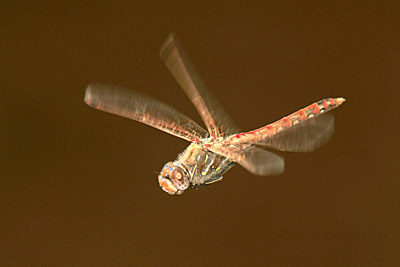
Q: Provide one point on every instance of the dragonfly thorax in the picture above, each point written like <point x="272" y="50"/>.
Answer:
<point x="204" y="167"/>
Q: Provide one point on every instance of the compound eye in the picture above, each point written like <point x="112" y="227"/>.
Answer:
<point x="179" y="178"/>
<point x="167" y="185"/>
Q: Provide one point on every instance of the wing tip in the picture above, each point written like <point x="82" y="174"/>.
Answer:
<point x="280" y="168"/>
<point x="266" y="170"/>
<point x="88" y="97"/>
<point x="164" y="48"/>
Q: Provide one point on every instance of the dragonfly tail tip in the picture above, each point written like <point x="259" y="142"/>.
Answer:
<point x="340" y="100"/>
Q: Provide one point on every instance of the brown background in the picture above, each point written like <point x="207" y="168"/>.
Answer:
<point x="79" y="186"/>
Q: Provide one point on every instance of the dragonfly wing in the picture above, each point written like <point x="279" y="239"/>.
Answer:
<point x="262" y="162"/>
<point x="255" y="160"/>
<point x="215" y="118"/>
<point x="136" y="106"/>
<point x="303" y="137"/>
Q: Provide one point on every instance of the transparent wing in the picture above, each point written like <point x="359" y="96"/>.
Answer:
<point x="302" y="131"/>
<point x="303" y="137"/>
<point x="215" y="118"/>
<point x="253" y="159"/>
<point x="136" y="106"/>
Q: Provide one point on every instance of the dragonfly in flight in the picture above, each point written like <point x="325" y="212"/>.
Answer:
<point x="214" y="151"/>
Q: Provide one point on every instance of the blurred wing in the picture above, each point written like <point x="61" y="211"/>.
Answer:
<point x="215" y="118"/>
<point x="303" y="137"/>
<point x="253" y="159"/>
<point x="138" y="107"/>
<point x="302" y="131"/>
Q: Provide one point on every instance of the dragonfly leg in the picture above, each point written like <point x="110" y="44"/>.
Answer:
<point x="207" y="182"/>
<point x="218" y="173"/>
<point x="213" y="180"/>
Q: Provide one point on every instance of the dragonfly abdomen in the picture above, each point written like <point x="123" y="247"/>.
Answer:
<point x="313" y="110"/>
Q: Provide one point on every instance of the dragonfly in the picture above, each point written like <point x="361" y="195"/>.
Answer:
<point x="214" y="151"/>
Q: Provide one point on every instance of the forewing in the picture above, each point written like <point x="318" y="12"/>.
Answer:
<point x="215" y="118"/>
<point x="136" y="106"/>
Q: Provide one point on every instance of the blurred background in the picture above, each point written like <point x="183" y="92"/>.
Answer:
<point x="78" y="187"/>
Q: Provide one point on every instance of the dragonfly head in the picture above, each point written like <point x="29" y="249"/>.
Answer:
<point x="173" y="178"/>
